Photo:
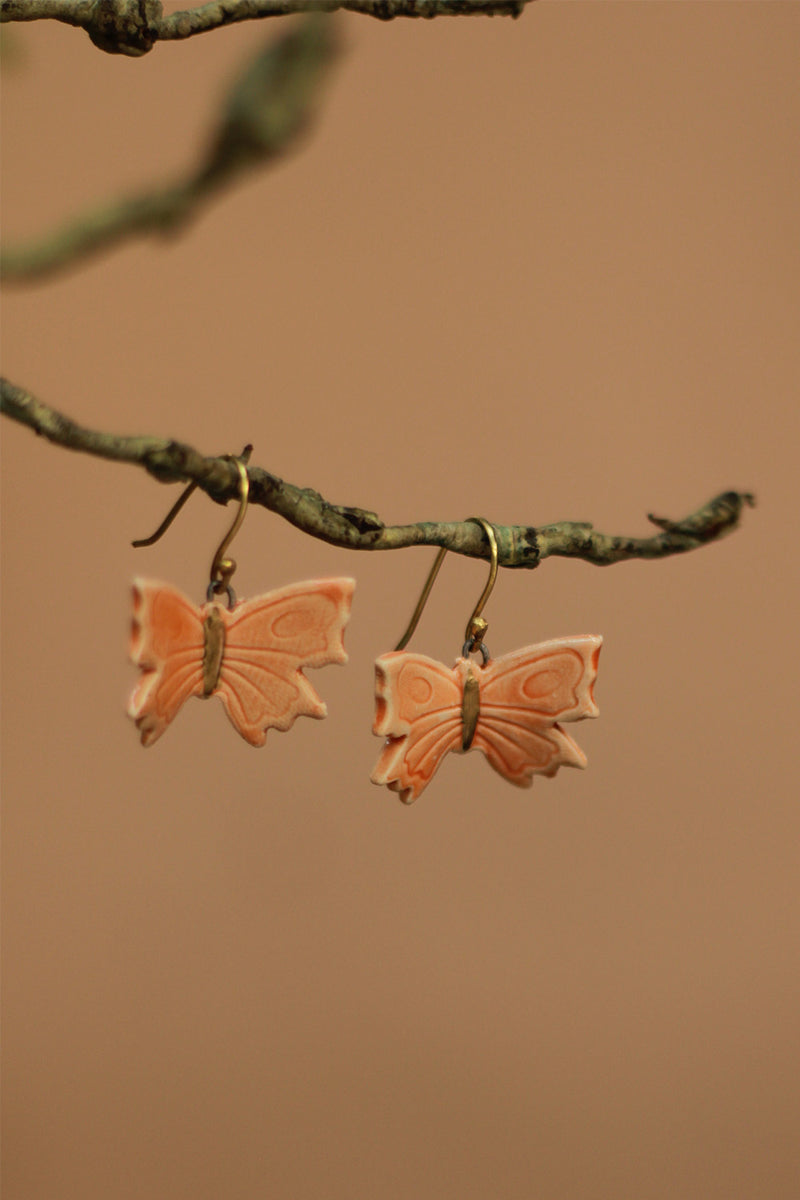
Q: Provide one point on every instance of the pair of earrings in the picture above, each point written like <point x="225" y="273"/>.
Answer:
<point x="251" y="653"/>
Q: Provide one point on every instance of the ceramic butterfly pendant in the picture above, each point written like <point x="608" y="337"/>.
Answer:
<point x="250" y="655"/>
<point x="509" y="708"/>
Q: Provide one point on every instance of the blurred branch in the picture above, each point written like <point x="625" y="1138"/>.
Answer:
<point x="358" y="529"/>
<point x="133" y="27"/>
<point x="269" y="105"/>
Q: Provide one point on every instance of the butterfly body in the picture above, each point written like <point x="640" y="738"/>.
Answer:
<point x="251" y="655"/>
<point x="509" y="708"/>
<point x="213" y="648"/>
<point x="470" y="709"/>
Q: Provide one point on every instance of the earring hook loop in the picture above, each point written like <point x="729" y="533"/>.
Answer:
<point x="476" y="626"/>
<point x="222" y="568"/>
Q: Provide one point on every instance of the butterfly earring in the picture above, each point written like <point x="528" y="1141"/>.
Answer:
<point x="250" y="653"/>
<point x="507" y="707"/>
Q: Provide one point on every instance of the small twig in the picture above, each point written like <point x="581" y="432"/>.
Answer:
<point x="268" y="107"/>
<point x="133" y="27"/>
<point x="359" y="529"/>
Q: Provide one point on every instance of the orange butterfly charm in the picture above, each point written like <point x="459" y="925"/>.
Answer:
<point x="508" y="708"/>
<point x="250" y="655"/>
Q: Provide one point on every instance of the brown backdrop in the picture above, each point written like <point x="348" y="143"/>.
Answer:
<point x="539" y="270"/>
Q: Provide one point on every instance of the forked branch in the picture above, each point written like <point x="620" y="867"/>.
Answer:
<point x="359" y="529"/>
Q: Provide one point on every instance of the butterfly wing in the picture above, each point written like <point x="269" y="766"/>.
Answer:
<point x="268" y="640"/>
<point x="418" y="711"/>
<point x="167" y="646"/>
<point x="524" y="695"/>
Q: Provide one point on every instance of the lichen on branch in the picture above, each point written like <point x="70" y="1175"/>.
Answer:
<point x="353" y="528"/>
<point x="132" y="27"/>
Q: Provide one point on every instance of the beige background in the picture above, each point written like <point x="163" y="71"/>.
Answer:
<point x="539" y="270"/>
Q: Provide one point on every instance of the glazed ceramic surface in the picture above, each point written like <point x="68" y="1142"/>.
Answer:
<point x="509" y="709"/>
<point x="251" y="656"/>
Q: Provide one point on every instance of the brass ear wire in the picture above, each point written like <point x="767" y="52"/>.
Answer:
<point x="426" y="591"/>
<point x="476" y="625"/>
<point x="168" y="519"/>
<point x="222" y="568"/>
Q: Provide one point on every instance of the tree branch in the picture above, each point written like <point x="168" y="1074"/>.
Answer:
<point x="269" y="105"/>
<point x="72" y="12"/>
<point x="224" y="12"/>
<point x="359" y="529"/>
<point x="133" y="27"/>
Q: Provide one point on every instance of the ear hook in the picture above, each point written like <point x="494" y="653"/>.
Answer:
<point x="221" y="568"/>
<point x="168" y="519"/>
<point x="476" y="626"/>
